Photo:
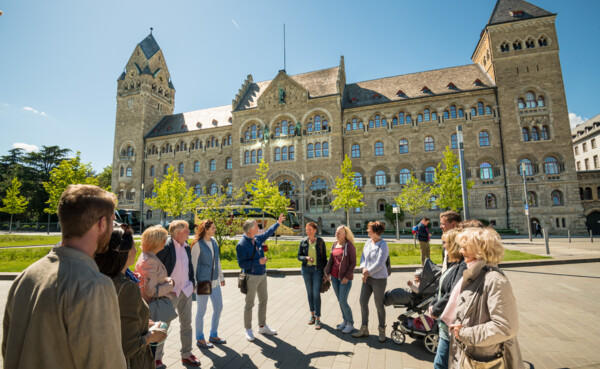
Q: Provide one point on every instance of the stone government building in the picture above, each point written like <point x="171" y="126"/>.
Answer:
<point x="510" y="101"/>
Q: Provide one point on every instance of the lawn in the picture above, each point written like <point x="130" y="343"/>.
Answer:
<point x="281" y="255"/>
<point x="19" y="240"/>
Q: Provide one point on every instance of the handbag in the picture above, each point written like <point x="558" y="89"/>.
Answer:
<point x="205" y="287"/>
<point x="161" y="309"/>
<point x="243" y="278"/>
<point x="325" y="285"/>
<point x="468" y="362"/>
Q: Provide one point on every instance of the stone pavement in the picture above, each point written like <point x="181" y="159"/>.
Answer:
<point x="558" y="328"/>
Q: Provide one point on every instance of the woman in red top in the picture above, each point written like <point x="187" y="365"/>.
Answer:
<point x="340" y="269"/>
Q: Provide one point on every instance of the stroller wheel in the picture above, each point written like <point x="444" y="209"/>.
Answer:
<point x="431" y="342"/>
<point x="399" y="337"/>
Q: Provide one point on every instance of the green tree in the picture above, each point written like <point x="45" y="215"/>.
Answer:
<point x="390" y="216"/>
<point x="414" y="198"/>
<point x="105" y="178"/>
<point x="265" y="194"/>
<point x="347" y="195"/>
<point x="68" y="172"/>
<point x="447" y="183"/>
<point x="173" y="197"/>
<point x="14" y="203"/>
<point x="211" y="207"/>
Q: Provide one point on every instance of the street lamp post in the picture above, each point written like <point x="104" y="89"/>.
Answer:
<point x="463" y="176"/>
<point x="525" y="200"/>
<point x="303" y="204"/>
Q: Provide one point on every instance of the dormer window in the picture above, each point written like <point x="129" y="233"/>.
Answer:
<point x="504" y="47"/>
<point x="517" y="45"/>
<point x="517" y="13"/>
<point x="400" y="93"/>
<point x="477" y="82"/>
<point x="214" y="122"/>
<point x="376" y="96"/>
<point x="229" y="120"/>
<point x="169" y="128"/>
<point x="451" y="86"/>
<point x="354" y="100"/>
<point x="426" y="90"/>
<point x="530" y="44"/>
<point x="198" y="124"/>
<point x="543" y="42"/>
<point x="183" y="126"/>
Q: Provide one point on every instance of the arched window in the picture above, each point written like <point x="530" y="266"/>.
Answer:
<point x="480" y="108"/>
<point x="325" y="126"/>
<point x="317" y="123"/>
<point x="260" y="133"/>
<point x="229" y="140"/>
<point x="394" y="121"/>
<point x="284" y="153"/>
<point x="213" y="188"/>
<point x="545" y="133"/>
<point x="521" y="104"/>
<point x="446" y="114"/>
<point x="197" y="190"/>
<point x="429" y="174"/>
<point x="358" y="180"/>
<point x="229" y="188"/>
<point x="377" y="121"/>
<point x="121" y="172"/>
<point x="557" y="198"/>
<point x="259" y="155"/>
<point x="371" y="124"/>
<point x="485" y="171"/>
<point x="325" y="149"/>
<point x="490" y="201"/>
<point x="401" y="118"/>
<point x="473" y="112"/>
<point x="348" y="127"/>
<point x="528" y="167"/>
<point x="196" y="166"/>
<point x="461" y="113"/>
<point x="291" y="152"/>
<point x="152" y="171"/>
<point x="247" y="134"/>
<point x="318" y="190"/>
<point x="228" y="163"/>
<point x="588" y="194"/>
<point x="488" y="110"/>
<point x="212" y="142"/>
<point x="253" y="156"/>
<point x="525" y="134"/>
<point x="532" y="199"/>
<point x="317" y="150"/>
<point x="284" y="127"/>
<point x="277" y="154"/>
<point x="535" y="136"/>
<point x="517" y="45"/>
<point x="542" y="42"/>
<point x="453" y="141"/>
<point x="419" y="118"/>
<point x="277" y="131"/>
<point x="181" y="168"/>
<point x="166" y="169"/>
<point x="530" y="100"/>
<point x="433" y="116"/>
<point x="378" y="148"/>
<point x="286" y="188"/>
<point x="541" y="102"/>
<point x="551" y="165"/>
<point x="128" y="172"/>
<point x="309" y="127"/>
<point x="247" y="157"/>
<point x="452" y="111"/>
<point x="354" y="125"/>
<point x="310" y="152"/>
<point x="380" y="205"/>
<point x="403" y="146"/>
<point x="213" y="165"/>
<point x="429" y="143"/>
<point x="404" y="176"/>
<point x="426" y="115"/>
<point x="484" y="138"/>
<point x="380" y="179"/>
<point x="355" y="152"/>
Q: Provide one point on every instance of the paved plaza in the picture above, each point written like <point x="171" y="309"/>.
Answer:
<point x="557" y="306"/>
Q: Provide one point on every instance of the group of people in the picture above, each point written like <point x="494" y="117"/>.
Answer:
<point x="81" y="306"/>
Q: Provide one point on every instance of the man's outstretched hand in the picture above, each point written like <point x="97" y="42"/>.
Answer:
<point x="281" y="218"/>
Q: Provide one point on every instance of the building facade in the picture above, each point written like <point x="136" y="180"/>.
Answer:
<point x="510" y="102"/>
<point x="586" y="147"/>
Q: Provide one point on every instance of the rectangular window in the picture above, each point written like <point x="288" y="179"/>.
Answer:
<point x="587" y="164"/>
<point x="576" y="150"/>
<point x="578" y="165"/>
<point x="557" y="222"/>
<point x="584" y="146"/>
<point x="564" y="223"/>
<point x="596" y="164"/>
<point x="593" y="143"/>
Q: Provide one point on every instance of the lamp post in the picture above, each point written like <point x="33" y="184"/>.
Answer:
<point x="463" y="176"/>
<point x="303" y="204"/>
<point x="525" y="202"/>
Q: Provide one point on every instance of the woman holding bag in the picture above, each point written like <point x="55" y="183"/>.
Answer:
<point x="210" y="279"/>
<point x="340" y="269"/>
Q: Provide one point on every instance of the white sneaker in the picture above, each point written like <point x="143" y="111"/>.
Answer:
<point x="348" y="328"/>
<point x="267" y="330"/>
<point x="341" y="326"/>
<point x="249" y="335"/>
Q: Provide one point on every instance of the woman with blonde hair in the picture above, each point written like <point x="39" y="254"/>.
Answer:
<point x="482" y="312"/>
<point x="340" y="270"/>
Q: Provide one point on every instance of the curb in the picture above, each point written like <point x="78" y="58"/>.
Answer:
<point x="9" y="276"/>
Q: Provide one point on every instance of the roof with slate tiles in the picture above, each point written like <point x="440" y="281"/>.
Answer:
<point x="192" y="121"/>
<point x="413" y="85"/>
<point x="502" y="11"/>
<point x="585" y="129"/>
<point x="149" y="46"/>
<point x="318" y="83"/>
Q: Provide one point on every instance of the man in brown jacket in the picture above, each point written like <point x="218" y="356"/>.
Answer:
<point x="61" y="312"/>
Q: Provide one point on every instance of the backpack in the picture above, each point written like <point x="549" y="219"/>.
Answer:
<point x="415" y="229"/>
<point x="388" y="264"/>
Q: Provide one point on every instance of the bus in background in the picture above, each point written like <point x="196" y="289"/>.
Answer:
<point x="129" y="217"/>
<point x="290" y="227"/>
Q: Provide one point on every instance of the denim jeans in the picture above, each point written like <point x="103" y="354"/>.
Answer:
<point x="313" y="277"/>
<point x="442" y="354"/>
<point x="341" y="292"/>
<point x="216" y="298"/>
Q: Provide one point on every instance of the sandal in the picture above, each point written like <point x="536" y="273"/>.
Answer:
<point x="206" y="345"/>
<point x="217" y="340"/>
<point x="191" y="360"/>
<point x="318" y="324"/>
<point x="312" y="319"/>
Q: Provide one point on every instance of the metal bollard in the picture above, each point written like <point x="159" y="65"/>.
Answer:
<point x="569" y="234"/>
<point x="546" y="241"/>
<point x="591" y="236"/>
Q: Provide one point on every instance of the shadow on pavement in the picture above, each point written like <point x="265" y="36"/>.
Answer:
<point x="232" y="359"/>
<point x="556" y="274"/>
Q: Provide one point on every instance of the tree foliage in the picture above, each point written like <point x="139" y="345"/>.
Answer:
<point x="391" y="216"/>
<point x="14" y="203"/>
<point x="347" y="194"/>
<point x="414" y="198"/>
<point x="172" y="195"/>
<point x="219" y="208"/>
<point x="265" y="194"/>
<point x="69" y="171"/>
<point x="105" y="178"/>
<point x="447" y="183"/>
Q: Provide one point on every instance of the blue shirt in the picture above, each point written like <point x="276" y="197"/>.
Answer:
<point x="246" y="248"/>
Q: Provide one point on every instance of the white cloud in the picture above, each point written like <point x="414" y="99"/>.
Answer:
<point x="28" y="108"/>
<point x="5" y="104"/>
<point x="25" y="147"/>
<point x="235" y="23"/>
<point x="576" y="120"/>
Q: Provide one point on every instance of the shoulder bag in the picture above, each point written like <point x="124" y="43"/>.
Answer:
<point x="161" y="309"/>
<point x="243" y="278"/>
<point x="205" y="287"/>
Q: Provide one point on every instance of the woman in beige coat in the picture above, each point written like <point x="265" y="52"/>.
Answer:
<point x="482" y="312"/>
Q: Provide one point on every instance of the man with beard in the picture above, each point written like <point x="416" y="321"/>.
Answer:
<point x="61" y="312"/>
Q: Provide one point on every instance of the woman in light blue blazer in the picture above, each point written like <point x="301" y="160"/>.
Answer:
<point x="207" y="264"/>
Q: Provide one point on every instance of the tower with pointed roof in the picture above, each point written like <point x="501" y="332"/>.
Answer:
<point x="145" y="94"/>
<point x="519" y="49"/>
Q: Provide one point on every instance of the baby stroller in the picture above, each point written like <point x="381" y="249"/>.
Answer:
<point x="414" y="322"/>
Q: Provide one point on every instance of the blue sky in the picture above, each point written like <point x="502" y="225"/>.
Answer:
<point x="60" y="59"/>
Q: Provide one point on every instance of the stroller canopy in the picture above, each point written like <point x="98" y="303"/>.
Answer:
<point x="429" y="277"/>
